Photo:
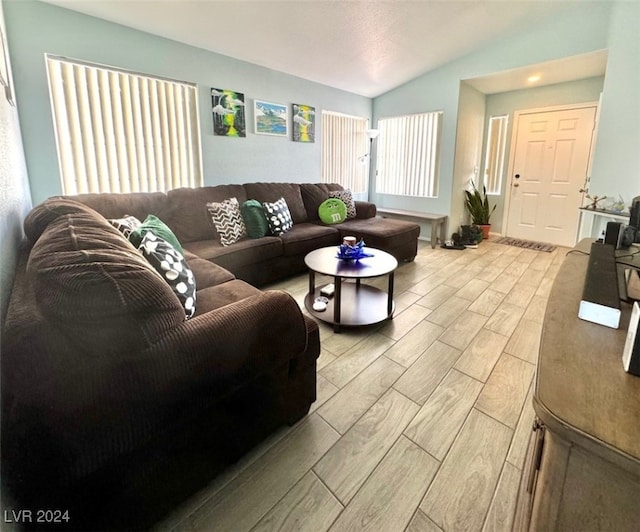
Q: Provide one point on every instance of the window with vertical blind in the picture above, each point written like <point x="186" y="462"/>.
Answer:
<point x="345" y="151"/>
<point x="120" y="131"/>
<point x="408" y="162"/>
<point x="495" y="154"/>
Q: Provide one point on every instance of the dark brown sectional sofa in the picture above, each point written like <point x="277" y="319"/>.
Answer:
<point x="114" y="407"/>
<point x="269" y="258"/>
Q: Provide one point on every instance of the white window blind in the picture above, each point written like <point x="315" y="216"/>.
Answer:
<point x="408" y="162"/>
<point x="119" y="131"/>
<point x="495" y="154"/>
<point x="345" y="151"/>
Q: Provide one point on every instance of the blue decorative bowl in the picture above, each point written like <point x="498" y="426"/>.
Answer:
<point x="347" y="252"/>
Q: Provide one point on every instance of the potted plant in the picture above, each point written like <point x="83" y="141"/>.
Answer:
<point x="477" y="204"/>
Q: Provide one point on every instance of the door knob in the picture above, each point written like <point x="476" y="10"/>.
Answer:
<point x="516" y="184"/>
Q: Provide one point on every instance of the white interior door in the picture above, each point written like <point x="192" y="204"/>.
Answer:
<point x="550" y="164"/>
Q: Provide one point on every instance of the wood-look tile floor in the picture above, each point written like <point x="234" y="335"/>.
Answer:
<point x="421" y="423"/>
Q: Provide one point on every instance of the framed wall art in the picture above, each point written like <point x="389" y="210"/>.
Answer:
<point x="5" y="73"/>
<point x="228" y="113"/>
<point x="304" y="123"/>
<point x="271" y="118"/>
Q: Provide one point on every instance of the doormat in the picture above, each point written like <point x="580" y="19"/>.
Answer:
<point x="527" y="244"/>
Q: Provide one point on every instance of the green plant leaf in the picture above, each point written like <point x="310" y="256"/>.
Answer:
<point x="477" y="204"/>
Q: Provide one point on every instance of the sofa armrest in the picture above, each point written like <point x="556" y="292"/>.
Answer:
<point x="266" y="322"/>
<point x="365" y="209"/>
<point x="207" y="359"/>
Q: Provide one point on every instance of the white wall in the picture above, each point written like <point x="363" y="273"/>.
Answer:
<point x="616" y="165"/>
<point x="15" y="198"/>
<point x="468" y="153"/>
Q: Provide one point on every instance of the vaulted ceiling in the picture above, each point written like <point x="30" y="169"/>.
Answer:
<point x="365" y="47"/>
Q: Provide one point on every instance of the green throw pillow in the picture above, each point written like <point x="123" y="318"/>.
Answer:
<point x="254" y="218"/>
<point x="332" y="211"/>
<point x="156" y="226"/>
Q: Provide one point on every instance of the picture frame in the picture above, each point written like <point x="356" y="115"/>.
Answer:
<point x="228" y="113"/>
<point x="5" y="73"/>
<point x="271" y="118"/>
<point x="304" y="123"/>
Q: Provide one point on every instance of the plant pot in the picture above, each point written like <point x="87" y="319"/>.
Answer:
<point x="485" y="231"/>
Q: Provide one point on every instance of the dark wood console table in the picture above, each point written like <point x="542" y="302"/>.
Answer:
<point x="583" y="463"/>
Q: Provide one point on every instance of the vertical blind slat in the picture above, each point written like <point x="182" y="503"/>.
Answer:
<point x="77" y="156"/>
<point x="85" y="128"/>
<point x="164" y="132"/>
<point x="61" y="124"/>
<point x="157" y="134"/>
<point x="138" y="130"/>
<point x="145" y="110"/>
<point x="124" y="183"/>
<point x="97" y="129"/>
<point x="113" y="175"/>
<point x="122" y="132"/>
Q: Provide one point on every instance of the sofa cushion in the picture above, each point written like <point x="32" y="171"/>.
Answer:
<point x="278" y="216"/>
<point x="92" y="284"/>
<point x="126" y="224"/>
<point x="153" y="224"/>
<point x="248" y="252"/>
<point x="187" y="213"/>
<point x="382" y="233"/>
<point x="271" y="192"/>
<point x="206" y="272"/>
<point x="224" y="294"/>
<point x="304" y="238"/>
<point x="48" y="211"/>
<point x="255" y="219"/>
<point x="332" y="211"/>
<point x="347" y="198"/>
<point x="116" y="205"/>
<point x="228" y="221"/>
<point x="313" y="194"/>
<point x="173" y="268"/>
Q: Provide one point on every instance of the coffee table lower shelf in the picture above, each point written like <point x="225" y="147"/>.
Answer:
<point x="360" y="305"/>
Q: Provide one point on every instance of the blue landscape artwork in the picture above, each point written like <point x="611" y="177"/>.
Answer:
<point x="271" y="118"/>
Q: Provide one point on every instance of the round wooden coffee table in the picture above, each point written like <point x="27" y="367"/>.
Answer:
<point x="353" y="303"/>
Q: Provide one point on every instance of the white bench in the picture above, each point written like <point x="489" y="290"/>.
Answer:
<point x="438" y="221"/>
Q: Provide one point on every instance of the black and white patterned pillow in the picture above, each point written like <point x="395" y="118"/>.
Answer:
<point x="126" y="224"/>
<point x="170" y="264"/>
<point x="228" y="221"/>
<point x="347" y="197"/>
<point x="278" y="216"/>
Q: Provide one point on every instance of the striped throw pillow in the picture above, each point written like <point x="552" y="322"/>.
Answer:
<point x="227" y="219"/>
